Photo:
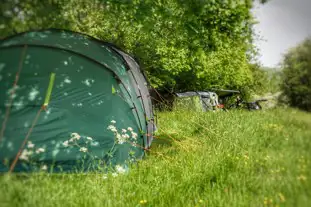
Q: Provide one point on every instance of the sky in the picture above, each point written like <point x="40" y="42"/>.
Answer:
<point x="282" y="25"/>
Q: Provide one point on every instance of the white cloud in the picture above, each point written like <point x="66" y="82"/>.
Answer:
<point x="283" y="24"/>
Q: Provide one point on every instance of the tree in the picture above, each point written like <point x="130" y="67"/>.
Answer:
<point x="273" y="81"/>
<point x="181" y="44"/>
<point x="259" y="85"/>
<point x="296" y="84"/>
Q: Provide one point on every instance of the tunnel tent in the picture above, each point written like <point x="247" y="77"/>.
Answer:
<point x="70" y="102"/>
<point x="197" y="100"/>
<point x="228" y="97"/>
<point x="138" y="77"/>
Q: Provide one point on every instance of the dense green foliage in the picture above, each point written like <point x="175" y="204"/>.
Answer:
<point x="267" y="79"/>
<point x="274" y="79"/>
<point x="181" y="44"/>
<point x="261" y="77"/>
<point x="232" y="159"/>
<point x="296" y="84"/>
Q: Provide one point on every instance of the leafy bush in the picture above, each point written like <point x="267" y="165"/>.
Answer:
<point x="182" y="45"/>
<point x="296" y="84"/>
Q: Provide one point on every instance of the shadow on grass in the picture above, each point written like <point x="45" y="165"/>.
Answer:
<point x="161" y="142"/>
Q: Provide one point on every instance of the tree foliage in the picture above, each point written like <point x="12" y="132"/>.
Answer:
<point x="274" y="79"/>
<point x="181" y="44"/>
<point x="297" y="75"/>
<point x="261" y="78"/>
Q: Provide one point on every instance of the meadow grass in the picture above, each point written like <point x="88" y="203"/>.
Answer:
<point x="235" y="158"/>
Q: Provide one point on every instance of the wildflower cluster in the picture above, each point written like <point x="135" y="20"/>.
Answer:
<point x="126" y="135"/>
<point x="118" y="170"/>
<point x="30" y="151"/>
<point x="74" y="141"/>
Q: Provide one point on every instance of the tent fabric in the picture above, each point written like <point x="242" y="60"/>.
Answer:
<point x="208" y="99"/>
<point x="98" y="89"/>
<point x="225" y="93"/>
<point x="142" y="91"/>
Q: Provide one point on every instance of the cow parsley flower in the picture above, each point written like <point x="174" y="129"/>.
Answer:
<point x="39" y="150"/>
<point x="130" y="129"/>
<point x="75" y="136"/>
<point x="120" y="169"/>
<point x="113" y="121"/>
<point x="120" y="139"/>
<point x="24" y="155"/>
<point x="30" y="145"/>
<point x="89" y="138"/>
<point x="66" y="143"/>
<point x="125" y="136"/>
<point x="134" y="135"/>
<point x="123" y="130"/>
<point x="83" y="149"/>
<point x="134" y="144"/>
<point x="44" y="167"/>
<point x="112" y="128"/>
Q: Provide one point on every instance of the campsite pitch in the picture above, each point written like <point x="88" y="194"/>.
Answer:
<point x="237" y="158"/>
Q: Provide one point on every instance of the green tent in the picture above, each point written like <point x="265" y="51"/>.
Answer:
<point x="70" y="102"/>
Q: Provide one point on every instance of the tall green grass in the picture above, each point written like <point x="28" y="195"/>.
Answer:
<point x="235" y="158"/>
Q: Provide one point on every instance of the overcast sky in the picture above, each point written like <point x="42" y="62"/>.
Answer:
<point x="283" y="24"/>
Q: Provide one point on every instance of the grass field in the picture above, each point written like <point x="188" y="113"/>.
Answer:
<point x="238" y="158"/>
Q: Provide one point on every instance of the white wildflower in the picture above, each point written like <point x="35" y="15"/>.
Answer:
<point x="120" y="139"/>
<point x="39" y="150"/>
<point x="33" y="94"/>
<point x="120" y="169"/>
<point x="24" y="155"/>
<point x="83" y="149"/>
<point x="44" y="167"/>
<point x="125" y="136"/>
<point x="89" y="138"/>
<point x="118" y="136"/>
<point x="123" y="130"/>
<point x="134" y="144"/>
<point x="113" y="121"/>
<point x="114" y="174"/>
<point x="71" y="140"/>
<point x="134" y="135"/>
<point x="30" y="145"/>
<point x="130" y="129"/>
<point x="30" y="152"/>
<point x="112" y="128"/>
<point x="105" y="176"/>
<point x="75" y="136"/>
<point x="66" y="143"/>
<point x="67" y="80"/>
<point x="94" y="143"/>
